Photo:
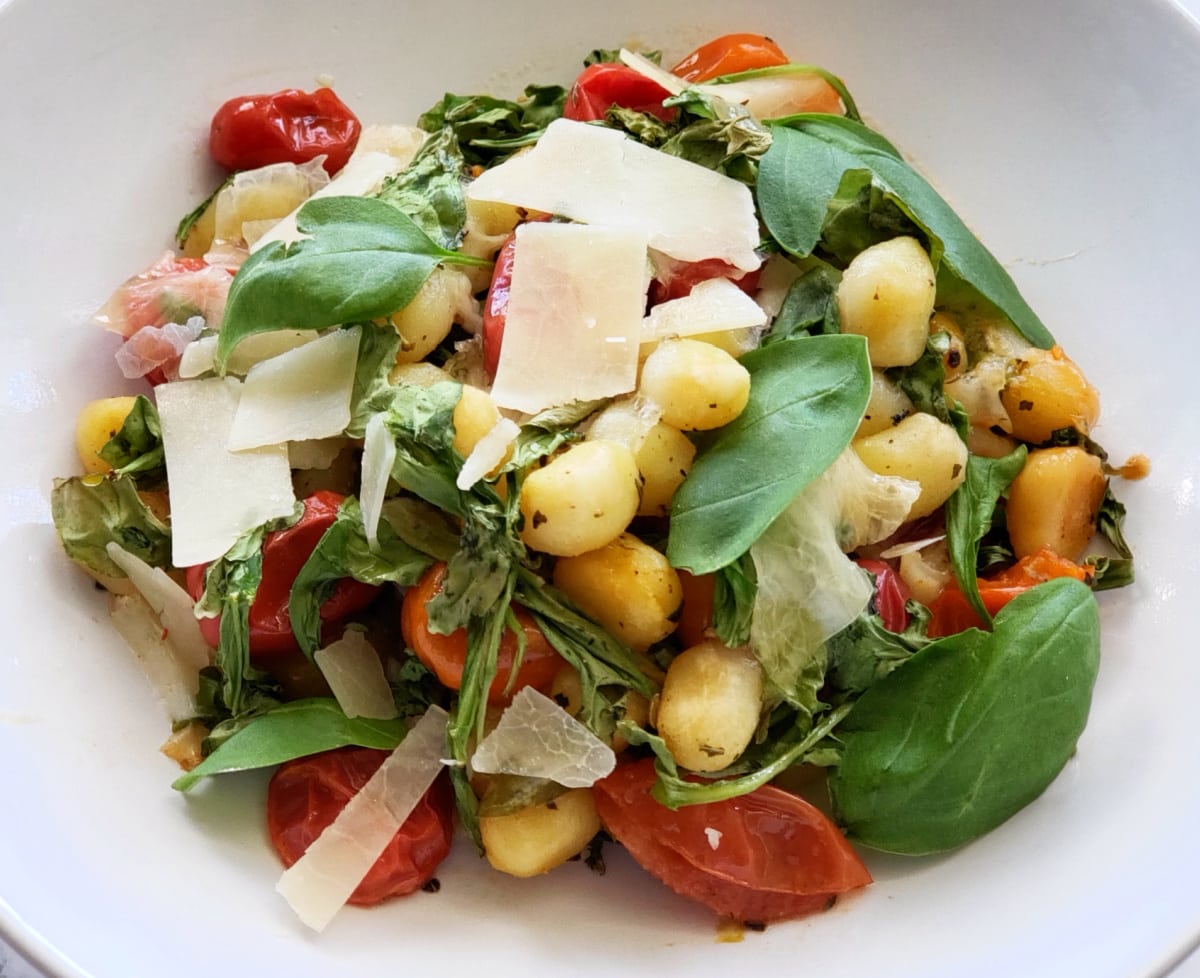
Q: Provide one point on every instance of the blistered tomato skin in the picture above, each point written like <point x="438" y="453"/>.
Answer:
<point x="729" y="54"/>
<point x="600" y="87"/>
<point x="306" y="795"/>
<point x="764" y="856"/>
<point x="284" y="553"/>
<point x="288" y="126"/>
<point x="495" y="307"/>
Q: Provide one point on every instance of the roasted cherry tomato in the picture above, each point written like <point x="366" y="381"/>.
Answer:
<point x="495" y="307"/>
<point x="951" y="612"/>
<point x="289" y="126"/>
<point x="891" y="594"/>
<point x="446" y="655"/>
<point x="306" y="794"/>
<point x="696" y="610"/>
<point x="284" y="553"/>
<point x="675" y="279"/>
<point x="600" y="87"/>
<point x="729" y="54"/>
<point x="767" y="855"/>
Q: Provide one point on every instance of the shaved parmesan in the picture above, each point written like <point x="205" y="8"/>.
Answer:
<point x="173" y="605"/>
<point x="216" y="495"/>
<point x="262" y="196"/>
<point x="316" y="453"/>
<point x="299" y="395"/>
<point x="198" y="356"/>
<point x="379" y="455"/>
<point x="627" y="421"/>
<point x="713" y="306"/>
<point x="488" y="452"/>
<point x="598" y="176"/>
<point x="576" y="301"/>
<point x="354" y="672"/>
<point x="176" y="682"/>
<point x="537" y="738"/>
<point x="357" y="178"/>
<point x="401" y="142"/>
<point x="319" y="883"/>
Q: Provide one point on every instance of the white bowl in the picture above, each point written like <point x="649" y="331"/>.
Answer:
<point x="1067" y="136"/>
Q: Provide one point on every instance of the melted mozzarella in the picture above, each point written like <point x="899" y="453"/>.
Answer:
<point x="537" y="738"/>
<point x="319" y="883"/>
<point x="597" y="176"/>
<point x="574" y="316"/>
<point x="216" y="495"/>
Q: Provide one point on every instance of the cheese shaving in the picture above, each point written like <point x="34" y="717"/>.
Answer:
<point x="354" y="672"/>
<point x="175" y="682"/>
<point x="537" y="738"/>
<point x="199" y="356"/>
<point x="320" y="882"/>
<point x="379" y="455"/>
<point x="711" y="307"/>
<point x="488" y="452"/>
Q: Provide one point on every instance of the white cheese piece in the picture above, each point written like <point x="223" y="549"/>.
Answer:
<point x="628" y="421"/>
<point x="173" y="605"/>
<point x="316" y="453"/>
<point x="175" y="682"/>
<point x="198" y="356"/>
<point x="402" y="142"/>
<point x="597" y="176"/>
<point x="354" y="672"/>
<point x="319" y="883"/>
<point x="711" y="307"/>
<point x="379" y="455"/>
<point x="487" y="453"/>
<point x="357" y="178"/>
<point x="537" y="738"/>
<point x="778" y="275"/>
<point x="216" y="495"/>
<point x="299" y="395"/>
<point x="574" y="316"/>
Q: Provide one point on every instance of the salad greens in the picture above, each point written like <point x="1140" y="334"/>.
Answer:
<point x="930" y="735"/>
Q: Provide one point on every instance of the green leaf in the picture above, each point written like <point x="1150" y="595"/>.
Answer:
<point x="295" y="729"/>
<point x="838" y="85"/>
<point x="1111" y="523"/>
<point x="807" y="397"/>
<point x="430" y="189"/>
<point x="372" y="390"/>
<point x="488" y="129"/>
<point x="343" y="552"/>
<point x="363" y="259"/>
<point x="136" y="450"/>
<point x="925" y="384"/>
<point x="189" y="220"/>
<point x="810" y="306"/>
<point x="734" y="588"/>
<point x="865" y="651"/>
<point x="89" y="512"/>
<point x="803" y="171"/>
<point x="969" y="514"/>
<point x="973" y="728"/>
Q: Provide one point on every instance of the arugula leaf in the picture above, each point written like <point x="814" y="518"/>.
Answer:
<point x="89" y="512"/>
<point x="372" y="391"/>
<point x="1111" y="523"/>
<point x="362" y="259"/>
<point x="864" y="651"/>
<point x="136" y="450"/>
<point x="969" y="513"/>
<point x="734" y="589"/>
<point x="1110" y="572"/>
<point x="808" y="392"/>
<point x="343" y="552"/>
<point x="488" y="129"/>
<point x="973" y="728"/>
<point x="810" y="306"/>
<point x="804" y="170"/>
<point x="292" y="730"/>
<point x="925" y="384"/>
<point x="430" y="189"/>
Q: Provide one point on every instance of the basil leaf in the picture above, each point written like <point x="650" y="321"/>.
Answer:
<point x="972" y="728"/>
<point x="430" y="189"/>
<point x="295" y="729"/>
<point x="136" y="449"/>
<point x="925" y="384"/>
<point x="808" y="393"/>
<point x="89" y="512"/>
<point x="372" y="391"/>
<point x="1110" y="572"/>
<point x="969" y="513"/>
<point x="343" y="552"/>
<point x="865" y="651"/>
<point x="810" y="306"/>
<point x="803" y="171"/>
<point x="489" y="129"/>
<point x="1111" y="523"/>
<point x="363" y="259"/>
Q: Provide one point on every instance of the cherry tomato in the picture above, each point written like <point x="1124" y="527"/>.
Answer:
<point x="951" y="613"/>
<point x="675" y="279"/>
<point x="446" y="655"/>
<point x="289" y="126"/>
<point x="495" y="307"/>
<point x="599" y="87"/>
<point x="891" y="594"/>
<point x="767" y="855"/>
<point x="696" y="611"/>
<point x="284" y="553"/>
<point x="306" y="794"/>
<point x="729" y="54"/>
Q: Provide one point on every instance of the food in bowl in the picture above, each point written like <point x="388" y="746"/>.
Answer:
<point x="657" y="458"/>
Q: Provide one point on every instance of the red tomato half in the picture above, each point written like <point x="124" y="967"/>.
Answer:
<point x="600" y="87"/>
<point x="495" y="307"/>
<point x="675" y="279"/>
<point x="729" y="54"/>
<point x="446" y="655"/>
<point x="289" y="126"/>
<point x="764" y="856"/>
<point x="891" y="594"/>
<point x="284" y="553"/>
<point x="306" y="795"/>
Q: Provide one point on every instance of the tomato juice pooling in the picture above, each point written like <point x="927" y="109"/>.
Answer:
<point x="591" y="465"/>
